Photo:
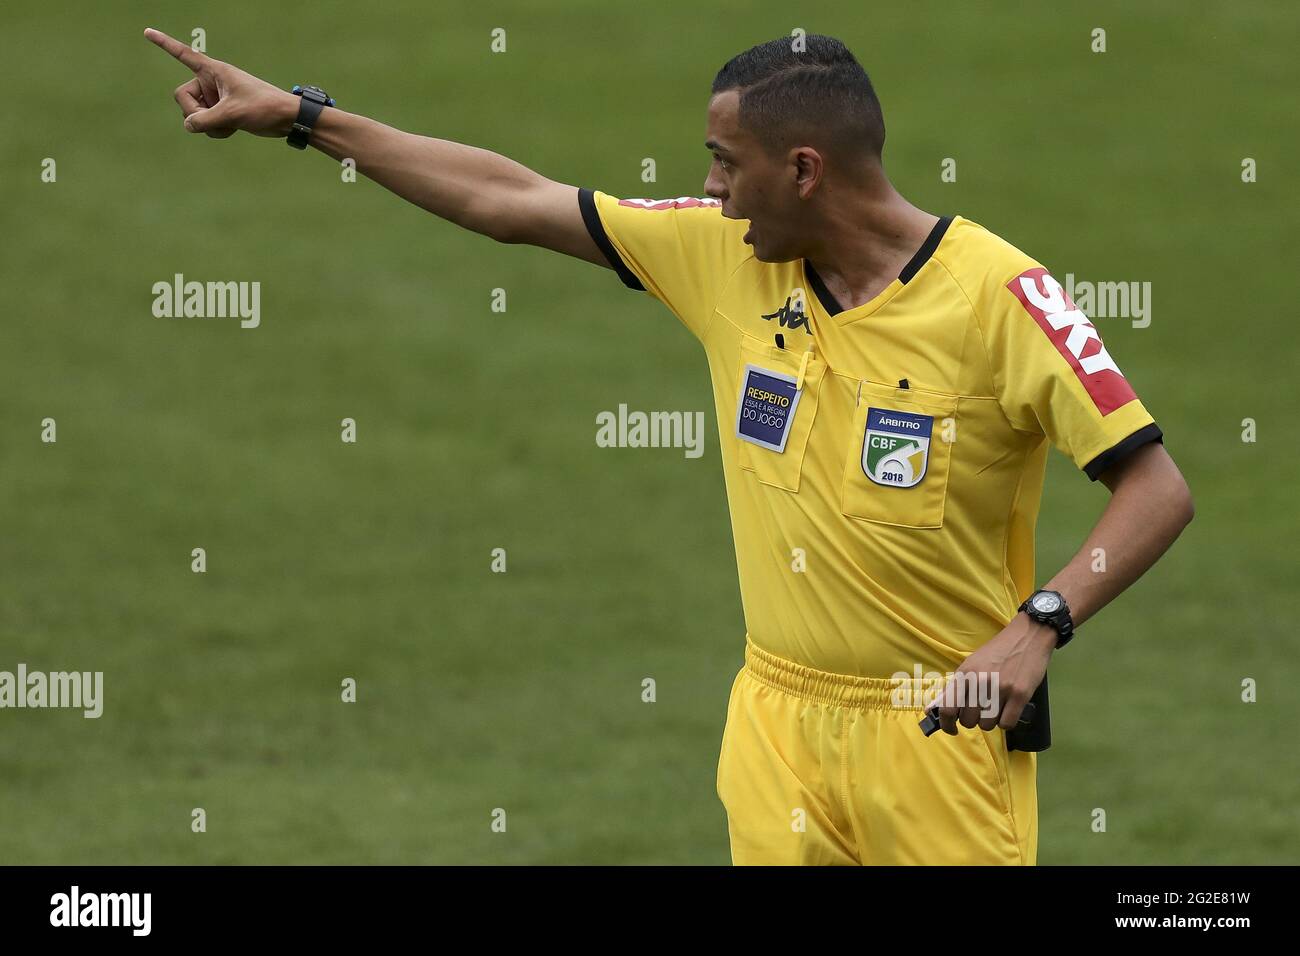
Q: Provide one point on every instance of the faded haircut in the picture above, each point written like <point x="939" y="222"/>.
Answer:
<point x="819" y="94"/>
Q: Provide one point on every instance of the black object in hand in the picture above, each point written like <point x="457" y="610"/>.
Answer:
<point x="931" y="722"/>
<point x="1033" y="731"/>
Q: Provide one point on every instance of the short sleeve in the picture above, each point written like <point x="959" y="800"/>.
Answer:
<point x="1054" y="376"/>
<point x="681" y="251"/>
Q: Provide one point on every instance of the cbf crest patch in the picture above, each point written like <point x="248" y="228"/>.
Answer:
<point x="896" y="447"/>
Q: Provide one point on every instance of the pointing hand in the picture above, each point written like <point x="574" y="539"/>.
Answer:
<point x="222" y="99"/>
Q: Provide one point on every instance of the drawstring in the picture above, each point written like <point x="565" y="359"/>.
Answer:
<point x="803" y="369"/>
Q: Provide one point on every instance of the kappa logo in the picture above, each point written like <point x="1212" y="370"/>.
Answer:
<point x="791" y="318"/>
<point x="1074" y="336"/>
<point x="896" y="447"/>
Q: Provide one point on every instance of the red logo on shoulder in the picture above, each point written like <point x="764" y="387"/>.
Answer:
<point x="1075" y="338"/>
<point x="682" y="202"/>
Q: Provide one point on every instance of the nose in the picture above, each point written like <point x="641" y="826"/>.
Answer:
<point x="714" y="187"/>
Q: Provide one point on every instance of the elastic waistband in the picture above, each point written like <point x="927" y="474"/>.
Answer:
<point x="808" y="683"/>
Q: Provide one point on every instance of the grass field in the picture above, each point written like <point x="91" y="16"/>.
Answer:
<point x="476" y="431"/>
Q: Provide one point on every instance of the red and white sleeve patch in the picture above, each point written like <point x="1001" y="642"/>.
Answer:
<point x="1075" y="338"/>
<point x="681" y="202"/>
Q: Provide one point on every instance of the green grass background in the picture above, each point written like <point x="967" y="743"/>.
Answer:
<point x="476" y="430"/>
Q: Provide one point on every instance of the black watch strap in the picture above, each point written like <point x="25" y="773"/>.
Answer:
<point x="1058" y="617"/>
<point x="312" y="100"/>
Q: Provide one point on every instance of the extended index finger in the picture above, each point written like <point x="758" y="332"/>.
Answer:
<point x="191" y="58"/>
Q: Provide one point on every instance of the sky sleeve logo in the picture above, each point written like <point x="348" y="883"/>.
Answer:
<point x="1074" y="336"/>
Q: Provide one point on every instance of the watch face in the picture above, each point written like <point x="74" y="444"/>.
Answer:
<point x="1046" y="603"/>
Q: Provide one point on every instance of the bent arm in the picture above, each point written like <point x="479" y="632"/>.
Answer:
<point x="1148" y="508"/>
<point x="1150" y="504"/>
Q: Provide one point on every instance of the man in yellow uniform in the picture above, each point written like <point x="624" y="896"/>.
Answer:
<point x="884" y="464"/>
<point x="887" y="383"/>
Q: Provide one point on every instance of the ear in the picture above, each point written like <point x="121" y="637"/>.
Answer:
<point x="808" y="169"/>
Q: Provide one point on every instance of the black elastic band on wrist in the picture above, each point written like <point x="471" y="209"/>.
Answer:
<point x="311" y="100"/>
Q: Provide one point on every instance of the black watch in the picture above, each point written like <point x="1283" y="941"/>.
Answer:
<point x="313" y="100"/>
<point x="1049" y="607"/>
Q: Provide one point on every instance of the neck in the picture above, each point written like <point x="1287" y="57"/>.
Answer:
<point x="865" y="238"/>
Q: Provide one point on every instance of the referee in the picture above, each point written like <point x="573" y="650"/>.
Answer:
<point x="887" y="384"/>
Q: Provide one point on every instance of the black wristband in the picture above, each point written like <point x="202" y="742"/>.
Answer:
<point x="312" y="100"/>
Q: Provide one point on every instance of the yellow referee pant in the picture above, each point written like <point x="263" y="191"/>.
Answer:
<point x="819" y="768"/>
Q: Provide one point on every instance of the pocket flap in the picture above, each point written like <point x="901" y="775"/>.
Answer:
<point x="896" y="464"/>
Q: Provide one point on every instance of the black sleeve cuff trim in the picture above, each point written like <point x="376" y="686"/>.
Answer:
<point x="591" y="218"/>
<point x="1113" y="456"/>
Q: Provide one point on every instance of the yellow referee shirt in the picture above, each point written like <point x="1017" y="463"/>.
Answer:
<point x="884" y="464"/>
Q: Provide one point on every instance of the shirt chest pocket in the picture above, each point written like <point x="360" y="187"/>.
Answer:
<point x="898" y="455"/>
<point x="775" y="408"/>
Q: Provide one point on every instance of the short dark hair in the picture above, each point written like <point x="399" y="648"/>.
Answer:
<point x="819" y="88"/>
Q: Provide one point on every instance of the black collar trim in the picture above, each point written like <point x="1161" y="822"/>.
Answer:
<point x="926" y="251"/>
<point x="823" y="294"/>
<point x="833" y="307"/>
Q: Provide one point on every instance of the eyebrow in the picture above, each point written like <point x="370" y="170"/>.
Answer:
<point x="715" y="145"/>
